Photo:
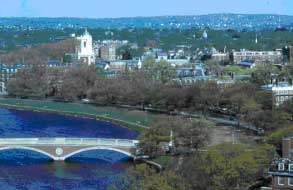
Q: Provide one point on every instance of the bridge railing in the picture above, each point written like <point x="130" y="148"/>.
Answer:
<point x="69" y="141"/>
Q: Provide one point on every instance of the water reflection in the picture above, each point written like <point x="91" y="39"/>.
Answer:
<point x="15" y="123"/>
<point x="24" y="169"/>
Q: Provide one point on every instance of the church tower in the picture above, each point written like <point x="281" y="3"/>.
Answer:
<point x="85" y="51"/>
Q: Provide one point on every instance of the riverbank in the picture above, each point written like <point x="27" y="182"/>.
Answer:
<point x="132" y="119"/>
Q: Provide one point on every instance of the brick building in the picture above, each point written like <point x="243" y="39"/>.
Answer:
<point x="282" y="170"/>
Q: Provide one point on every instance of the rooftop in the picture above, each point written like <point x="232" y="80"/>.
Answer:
<point x="15" y="66"/>
<point x="279" y="85"/>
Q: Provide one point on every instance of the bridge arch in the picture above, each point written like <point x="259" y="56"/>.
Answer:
<point x="28" y="148"/>
<point x="98" y="148"/>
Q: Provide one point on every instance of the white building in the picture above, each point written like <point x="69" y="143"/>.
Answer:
<point x="220" y="56"/>
<point x="85" y="51"/>
<point x="281" y="92"/>
<point x="178" y="62"/>
<point x="122" y="65"/>
<point x="2" y="88"/>
<point x="258" y="56"/>
<point x="162" y="56"/>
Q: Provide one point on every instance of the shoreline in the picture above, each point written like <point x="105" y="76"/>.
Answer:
<point x="130" y="125"/>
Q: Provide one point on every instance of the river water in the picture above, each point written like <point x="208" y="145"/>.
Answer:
<point x="20" y="169"/>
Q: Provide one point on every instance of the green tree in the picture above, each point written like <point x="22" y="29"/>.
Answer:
<point x="161" y="71"/>
<point x="287" y="72"/>
<point x="233" y="166"/>
<point x="67" y="59"/>
<point x="263" y="74"/>
<point x="142" y="177"/>
<point x="190" y="134"/>
<point x="194" y="133"/>
<point x="265" y="99"/>
<point x="214" y="67"/>
<point x="240" y="100"/>
<point x="150" y="141"/>
<point x="277" y="136"/>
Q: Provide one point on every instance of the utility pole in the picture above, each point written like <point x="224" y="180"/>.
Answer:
<point x="290" y="130"/>
<point x="233" y="135"/>
<point x="171" y="143"/>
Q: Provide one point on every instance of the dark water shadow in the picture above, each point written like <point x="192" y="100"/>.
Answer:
<point x="105" y="156"/>
<point x="20" y="157"/>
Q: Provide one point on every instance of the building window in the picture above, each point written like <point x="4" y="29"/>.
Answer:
<point x="291" y="167"/>
<point x="290" y="181"/>
<point x="281" y="167"/>
<point x="84" y="44"/>
<point x="281" y="181"/>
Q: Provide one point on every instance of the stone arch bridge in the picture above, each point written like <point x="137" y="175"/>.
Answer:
<point x="59" y="149"/>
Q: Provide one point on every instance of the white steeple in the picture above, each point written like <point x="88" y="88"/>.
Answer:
<point x="139" y="64"/>
<point x="85" y="50"/>
<point x="86" y="33"/>
<point x="171" y="142"/>
<point x="256" y="39"/>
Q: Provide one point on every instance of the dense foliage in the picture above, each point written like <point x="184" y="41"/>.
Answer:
<point x="225" y="167"/>
<point x="153" y="87"/>
<point x="41" y="54"/>
<point x="167" y="39"/>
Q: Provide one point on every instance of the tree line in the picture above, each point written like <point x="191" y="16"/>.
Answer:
<point x="40" y="54"/>
<point x="153" y="87"/>
<point x="226" y="166"/>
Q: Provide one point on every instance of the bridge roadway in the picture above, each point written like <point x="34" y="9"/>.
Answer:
<point x="59" y="149"/>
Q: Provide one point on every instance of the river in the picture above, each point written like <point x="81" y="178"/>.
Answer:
<point x="20" y="169"/>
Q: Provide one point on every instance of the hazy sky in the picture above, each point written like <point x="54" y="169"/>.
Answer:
<point x="129" y="8"/>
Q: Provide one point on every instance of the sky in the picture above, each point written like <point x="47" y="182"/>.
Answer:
<point x="131" y="8"/>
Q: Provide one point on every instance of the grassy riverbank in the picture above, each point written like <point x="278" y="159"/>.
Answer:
<point x="136" y="120"/>
<point x="132" y="119"/>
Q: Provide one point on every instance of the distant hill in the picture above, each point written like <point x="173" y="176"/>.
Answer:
<point x="213" y="21"/>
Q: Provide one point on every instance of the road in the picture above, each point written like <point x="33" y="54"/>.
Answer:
<point x="225" y="121"/>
